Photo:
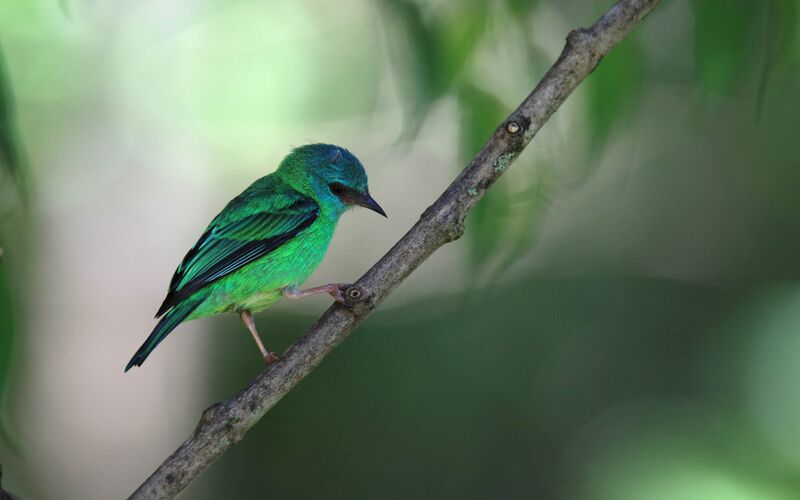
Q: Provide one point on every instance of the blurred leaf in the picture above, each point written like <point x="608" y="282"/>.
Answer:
<point x="433" y="49"/>
<point x="6" y="344"/>
<point x="415" y="43"/>
<point x="10" y="153"/>
<point x="614" y="88"/>
<point x="11" y="165"/>
<point x="534" y="203"/>
<point x="480" y="114"/>
<point x="514" y="387"/>
<point x="461" y="30"/>
<point x="782" y="28"/>
<point x="538" y="58"/>
<point x="520" y="8"/>
<point x="782" y="23"/>
<point x="723" y="38"/>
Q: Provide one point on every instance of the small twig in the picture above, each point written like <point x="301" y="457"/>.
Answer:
<point x="224" y="424"/>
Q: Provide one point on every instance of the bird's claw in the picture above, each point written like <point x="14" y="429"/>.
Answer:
<point x="270" y="358"/>
<point x="343" y="293"/>
<point x="338" y="293"/>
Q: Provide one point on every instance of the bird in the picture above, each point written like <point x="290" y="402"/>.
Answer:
<point x="265" y="243"/>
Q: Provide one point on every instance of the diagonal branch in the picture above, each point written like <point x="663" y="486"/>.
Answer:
<point x="225" y="423"/>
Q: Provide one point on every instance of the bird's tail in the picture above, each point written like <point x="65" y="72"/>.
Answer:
<point x="162" y="329"/>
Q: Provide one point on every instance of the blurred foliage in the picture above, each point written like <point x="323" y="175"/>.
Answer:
<point x="439" y="43"/>
<point x="435" y="47"/>
<point x="658" y="361"/>
<point x="520" y="9"/>
<point x="446" y="399"/>
<point x="481" y="112"/>
<point x="10" y="144"/>
<point x="614" y="89"/>
<point x="733" y="40"/>
<point x="11" y="180"/>
<point x="6" y="348"/>
<point x="737" y="38"/>
<point x="782" y="25"/>
<point x="724" y="42"/>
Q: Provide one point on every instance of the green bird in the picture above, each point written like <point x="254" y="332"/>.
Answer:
<point x="265" y="243"/>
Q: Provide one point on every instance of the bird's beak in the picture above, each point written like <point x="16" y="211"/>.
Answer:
<point x="366" y="201"/>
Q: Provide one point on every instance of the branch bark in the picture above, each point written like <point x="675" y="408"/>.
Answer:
<point x="224" y="424"/>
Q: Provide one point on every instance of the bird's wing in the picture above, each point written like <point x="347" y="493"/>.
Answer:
<point x="231" y="241"/>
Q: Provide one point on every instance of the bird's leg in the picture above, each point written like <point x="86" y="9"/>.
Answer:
<point x="247" y="319"/>
<point x="336" y="290"/>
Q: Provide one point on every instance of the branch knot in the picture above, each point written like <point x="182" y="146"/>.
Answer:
<point x="354" y="295"/>
<point x="578" y="37"/>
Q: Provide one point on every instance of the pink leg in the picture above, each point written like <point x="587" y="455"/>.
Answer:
<point x="334" y="289"/>
<point x="247" y="319"/>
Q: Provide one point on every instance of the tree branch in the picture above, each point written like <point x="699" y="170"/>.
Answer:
<point x="224" y="424"/>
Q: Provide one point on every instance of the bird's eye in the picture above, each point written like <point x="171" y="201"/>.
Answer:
<point x="344" y="193"/>
<point x="338" y="189"/>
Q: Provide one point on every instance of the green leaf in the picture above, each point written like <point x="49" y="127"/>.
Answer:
<point x="520" y="8"/>
<point x="724" y="31"/>
<point x="461" y="29"/>
<point x="415" y="43"/>
<point x="11" y="168"/>
<point x="782" y="24"/>
<point x="11" y="159"/>
<point x="614" y="88"/>
<point x="533" y="202"/>
<point x="6" y="345"/>
<point x="480" y="114"/>
<point x="433" y="49"/>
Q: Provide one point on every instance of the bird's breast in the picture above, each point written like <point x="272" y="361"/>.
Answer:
<point x="260" y="284"/>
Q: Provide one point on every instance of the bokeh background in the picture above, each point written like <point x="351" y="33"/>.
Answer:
<point x="620" y="321"/>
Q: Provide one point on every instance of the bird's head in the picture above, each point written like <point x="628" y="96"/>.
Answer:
<point x="331" y="175"/>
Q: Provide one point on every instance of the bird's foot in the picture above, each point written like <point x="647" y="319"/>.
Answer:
<point x="335" y="290"/>
<point x="271" y="357"/>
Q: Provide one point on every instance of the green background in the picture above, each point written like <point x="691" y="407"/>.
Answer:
<point x="620" y="321"/>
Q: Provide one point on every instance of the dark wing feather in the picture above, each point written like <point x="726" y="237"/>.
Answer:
<point x="227" y="247"/>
